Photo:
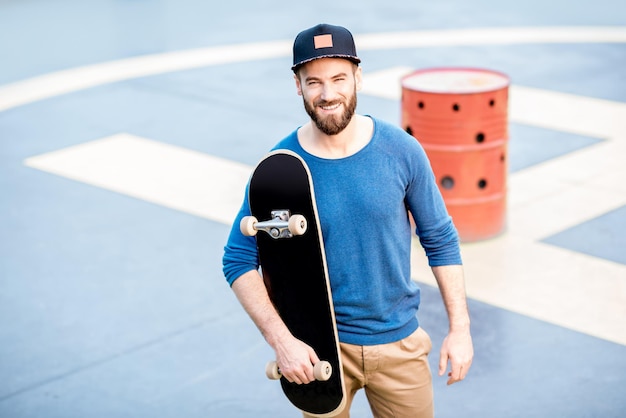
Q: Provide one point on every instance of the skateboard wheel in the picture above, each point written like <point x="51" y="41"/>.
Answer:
<point x="247" y="226"/>
<point x="297" y="224"/>
<point x="322" y="371"/>
<point x="271" y="371"/>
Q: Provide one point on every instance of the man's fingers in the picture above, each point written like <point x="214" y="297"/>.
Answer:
<point x="455" y="375"/>
<point x="309" y="369"/>
<point x="458" y="350"/>
<point x="301" y="374"/>
<point x="443" y="362"/>
<point x="309" y="374"/>
<point x="313" y="356"/>
<point x="296" y="361"/>
<point x="465" y="369"/>
<point x="293" y="378"/>
<point x="458" y="371"/>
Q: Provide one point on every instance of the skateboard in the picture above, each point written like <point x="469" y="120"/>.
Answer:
<point x="293" y="264"/>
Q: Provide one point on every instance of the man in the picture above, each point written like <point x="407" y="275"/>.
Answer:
<point x="366" y="173"/>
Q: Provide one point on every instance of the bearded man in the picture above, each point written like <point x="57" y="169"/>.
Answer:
<point x="365" y="172"/>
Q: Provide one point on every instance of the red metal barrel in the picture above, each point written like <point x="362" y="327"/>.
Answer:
<point x="460" y="116"/>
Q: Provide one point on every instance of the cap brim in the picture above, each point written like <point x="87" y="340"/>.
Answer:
<point x="354" y="59"/>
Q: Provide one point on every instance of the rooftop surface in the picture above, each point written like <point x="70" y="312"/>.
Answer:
<point x="129" y="128"/>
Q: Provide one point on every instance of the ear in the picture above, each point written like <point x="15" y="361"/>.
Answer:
<point x="358" y="78"/>
<point x="298" y="84"/>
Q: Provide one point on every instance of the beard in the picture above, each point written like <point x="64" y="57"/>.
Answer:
<point x="332" y="124"/>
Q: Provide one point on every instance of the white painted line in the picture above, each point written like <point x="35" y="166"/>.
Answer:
<point x="566" y="191"/>
<point x="385" y="83"/>
<point x="491" y="36"/>
<point x="569" y="205"/>
<point x="572" y="290"/>
<point x="75" y="79"/>
<point x="167" y="175"/>
<point x="568" y="113"/>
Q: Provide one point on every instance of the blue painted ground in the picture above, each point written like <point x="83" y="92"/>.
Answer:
<point x="600" y="237"/>
<point x="114" y="307"/>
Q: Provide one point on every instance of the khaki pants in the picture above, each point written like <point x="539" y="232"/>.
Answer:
<point x="396" y="377"/>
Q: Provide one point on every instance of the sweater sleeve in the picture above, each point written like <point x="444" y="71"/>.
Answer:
<point x="434" y="226"/>
<point x="240" y="252"/>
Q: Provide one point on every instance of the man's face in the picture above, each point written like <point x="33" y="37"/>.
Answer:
<point x="328" y="87"/>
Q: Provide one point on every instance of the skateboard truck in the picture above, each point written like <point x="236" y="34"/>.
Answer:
<point x="282" y="225"/>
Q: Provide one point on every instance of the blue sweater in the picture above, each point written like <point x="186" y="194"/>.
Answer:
<point x="362" y="201"/>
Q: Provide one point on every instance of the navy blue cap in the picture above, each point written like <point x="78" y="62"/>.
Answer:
<point x="323" y="41"/>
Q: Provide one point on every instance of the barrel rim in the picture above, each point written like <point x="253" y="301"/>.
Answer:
<point x="506" y="84"/>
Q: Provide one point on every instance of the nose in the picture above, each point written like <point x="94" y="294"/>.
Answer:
<point x="328" y="92"/>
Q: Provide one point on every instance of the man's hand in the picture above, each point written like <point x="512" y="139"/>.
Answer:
<point x="295" y="360"/>
<point x="457" y="348"/>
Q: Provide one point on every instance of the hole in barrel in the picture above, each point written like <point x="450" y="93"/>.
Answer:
<point x="420" y="104"/>
<point x="492" y="102"/>
<point x="447" y="182"/>
<point x="409" y="130"/>
<point x="480" y="137"/>
<point x="456" y="107"/>
<point x="482" y="183"/>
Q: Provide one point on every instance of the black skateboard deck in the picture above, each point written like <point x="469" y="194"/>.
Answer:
<point x="293" y="263"/>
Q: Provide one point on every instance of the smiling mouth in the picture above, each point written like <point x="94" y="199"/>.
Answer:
<point x="330" y="106"/>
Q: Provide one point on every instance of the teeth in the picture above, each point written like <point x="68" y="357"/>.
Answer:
<point x="332" y="107"/>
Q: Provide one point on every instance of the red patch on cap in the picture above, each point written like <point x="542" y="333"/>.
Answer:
<point x="323" y="41"/>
